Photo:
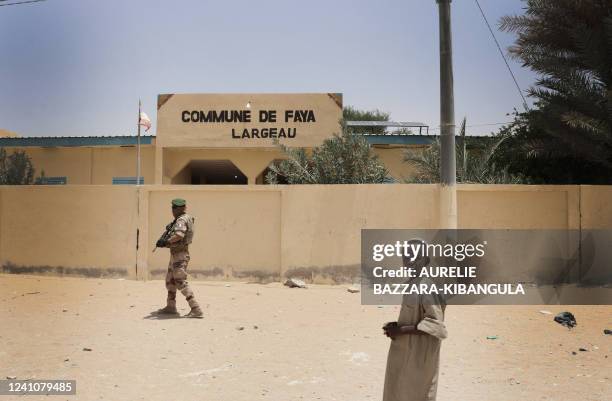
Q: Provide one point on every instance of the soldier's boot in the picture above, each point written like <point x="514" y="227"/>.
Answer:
<point x="196" y="311"/>
<point x="170" y="308"/>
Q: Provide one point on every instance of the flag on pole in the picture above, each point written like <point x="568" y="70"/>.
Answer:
<point x="144" y="121"/>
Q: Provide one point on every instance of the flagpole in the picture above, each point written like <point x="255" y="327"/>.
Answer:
<point x="138" y="146"/>
<point x="138" y="188"/>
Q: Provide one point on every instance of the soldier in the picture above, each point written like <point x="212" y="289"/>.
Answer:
<point x="180" y="236"/>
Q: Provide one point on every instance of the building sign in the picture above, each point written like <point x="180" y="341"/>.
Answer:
<point x="247" y="120"/>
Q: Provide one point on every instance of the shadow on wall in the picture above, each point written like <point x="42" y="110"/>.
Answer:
<point x="327" y="274"/>
<point x="319" y="275"/>
<point x="94" y="272"/>
<point x="217" y="273"/>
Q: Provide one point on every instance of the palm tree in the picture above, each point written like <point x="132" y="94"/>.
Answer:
<point x="473" y="166"/>
<point x="568" y="43"/>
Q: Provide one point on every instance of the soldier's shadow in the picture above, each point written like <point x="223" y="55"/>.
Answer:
<point x="160" y="316"/>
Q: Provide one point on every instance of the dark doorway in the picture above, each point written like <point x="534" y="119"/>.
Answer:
<point x="215" y="172"/>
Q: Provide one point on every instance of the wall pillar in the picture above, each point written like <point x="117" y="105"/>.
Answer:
<point x="159" y="164"/>
<point x="142" y="225"/>
<point x="252" y="179"/>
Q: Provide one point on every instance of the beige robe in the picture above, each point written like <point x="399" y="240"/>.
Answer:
<point x="413" y="361"/>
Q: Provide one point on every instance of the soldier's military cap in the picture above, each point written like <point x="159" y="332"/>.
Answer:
<point x="178" y="202"/>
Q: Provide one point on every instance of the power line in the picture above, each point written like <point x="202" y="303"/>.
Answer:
<point x="21" y="2"/>
<point x="501" y="52"/>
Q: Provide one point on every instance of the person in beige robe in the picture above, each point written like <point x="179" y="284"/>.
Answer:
<point x="414" y="354"/>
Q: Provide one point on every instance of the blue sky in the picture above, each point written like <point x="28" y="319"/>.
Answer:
<point x="78" y="67"/>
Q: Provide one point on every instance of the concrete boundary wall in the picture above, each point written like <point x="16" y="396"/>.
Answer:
<point x="71" y="230"/>
<point x="257" y="233"/>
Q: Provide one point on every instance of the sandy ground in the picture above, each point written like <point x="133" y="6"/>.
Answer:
<point x="318" y="343"/>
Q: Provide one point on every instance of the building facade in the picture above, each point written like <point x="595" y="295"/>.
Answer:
<point x="206" y="139"/>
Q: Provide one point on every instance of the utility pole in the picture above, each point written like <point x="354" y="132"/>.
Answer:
<point x="448" y="169"/>
<point x="138" y="145"/>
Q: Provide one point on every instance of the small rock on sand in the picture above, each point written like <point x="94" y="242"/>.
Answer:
<point x="566" y="319"/>
<point x="295" y="283"/>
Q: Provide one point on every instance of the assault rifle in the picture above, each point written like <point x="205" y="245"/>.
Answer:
<point x="167" y="234"/>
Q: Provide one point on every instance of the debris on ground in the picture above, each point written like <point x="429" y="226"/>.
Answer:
<point x="566" y="319"/>
<point x="608" y="332"/>
<point x="582" y="349"/>
<point x="353" y="289"/>
<point x="27" y="293"/>
<point x="545" y="312"/>
<point x="492" y="337"/>
<point x="11" y="377"/>
<point x="240" y="328"/>
<point x="295" y="283"/>
<point x="87" y="349"/>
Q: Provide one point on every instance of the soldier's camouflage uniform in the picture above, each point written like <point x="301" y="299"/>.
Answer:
<point x="176" y="277"/>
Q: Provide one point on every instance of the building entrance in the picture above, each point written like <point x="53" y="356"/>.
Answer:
<point x="210" y="172"/>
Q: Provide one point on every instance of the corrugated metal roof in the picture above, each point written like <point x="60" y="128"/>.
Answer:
<point x="71" y="141"/>
<point x="127" y="140"/>
<point x="396" y="124"/>
<point x="399" y="139"/>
